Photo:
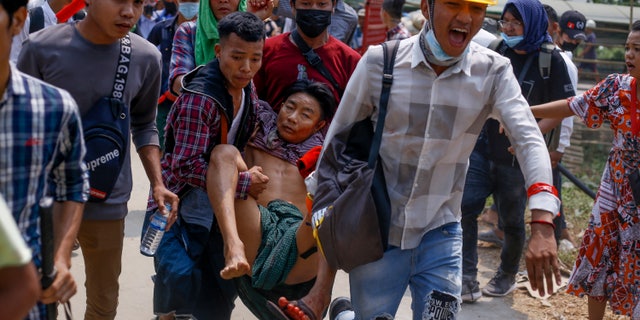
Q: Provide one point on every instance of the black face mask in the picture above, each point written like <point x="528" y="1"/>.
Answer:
<point x="312" y="22"/>
<point x="568" y="46"/>
<point x="148" y="10"/>
<point x="170" y="8"/>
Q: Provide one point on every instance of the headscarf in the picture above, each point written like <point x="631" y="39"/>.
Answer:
<point x="535" y="22"/>
<point x="207" y="32"/>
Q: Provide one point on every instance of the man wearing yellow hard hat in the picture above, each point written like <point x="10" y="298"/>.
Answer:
<point x="444" y="89"/>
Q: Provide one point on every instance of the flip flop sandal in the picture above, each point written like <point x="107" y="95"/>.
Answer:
<point x="279" y="312"/>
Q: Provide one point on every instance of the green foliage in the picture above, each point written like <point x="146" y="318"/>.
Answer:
<point x="614" y="54"/>
<point x="605" y="53"/>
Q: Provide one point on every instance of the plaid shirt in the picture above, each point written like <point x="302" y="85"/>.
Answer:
<point x="193" y="129"/>
<point x="183" y="54"/>
<point x="398" y="32"/>
<point x="41" y="150"/>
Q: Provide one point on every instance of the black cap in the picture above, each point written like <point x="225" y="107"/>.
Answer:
<point x="573" y="23"/>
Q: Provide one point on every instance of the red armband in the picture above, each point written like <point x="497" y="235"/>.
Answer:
<point x="549" y="223"/>
<point x="541" y="187"/>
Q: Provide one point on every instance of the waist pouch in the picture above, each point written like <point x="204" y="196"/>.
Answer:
<point x="106" y="136"/>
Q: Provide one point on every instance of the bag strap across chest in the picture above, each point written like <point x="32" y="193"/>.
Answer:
<point x="314" y="60"/>
<point x="389" y="50"/>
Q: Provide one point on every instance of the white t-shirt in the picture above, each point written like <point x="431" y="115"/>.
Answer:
<point x="567" y="123"/>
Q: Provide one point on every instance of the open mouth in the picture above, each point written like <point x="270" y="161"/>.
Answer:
<point x="458" y="37"/>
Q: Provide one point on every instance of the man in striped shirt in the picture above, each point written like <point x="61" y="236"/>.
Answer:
<point x="444" y="89"/>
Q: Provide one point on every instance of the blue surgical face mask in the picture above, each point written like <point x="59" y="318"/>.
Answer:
<point x="188" y="9"/>
<point x="441" y="57"/>
<point x="511" y="42"/>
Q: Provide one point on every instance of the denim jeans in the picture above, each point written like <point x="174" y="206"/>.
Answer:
<point x="431" y="271"/>
<point x="506" y="183"/>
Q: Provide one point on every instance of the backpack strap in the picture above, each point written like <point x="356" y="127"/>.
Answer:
<point x="544" y="65"/>
<point x="544" y="61"/>
<point x="36" y="19"/>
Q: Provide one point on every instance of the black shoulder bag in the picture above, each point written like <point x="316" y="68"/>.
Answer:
<point x="351" y="207"/>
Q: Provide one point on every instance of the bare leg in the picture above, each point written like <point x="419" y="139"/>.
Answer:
<point x="596" y="309"/>
<point x="222" y="177"/>
<point x="304" y="269"/>
<point x="318" y="298"/>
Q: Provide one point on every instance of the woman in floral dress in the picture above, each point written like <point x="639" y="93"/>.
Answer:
<point x="608" y="265"/>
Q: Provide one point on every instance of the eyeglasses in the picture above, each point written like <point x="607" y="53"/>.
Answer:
<point x="513" y="24"/>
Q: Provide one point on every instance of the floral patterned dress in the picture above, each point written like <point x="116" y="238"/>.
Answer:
<point x="608" y="265"/>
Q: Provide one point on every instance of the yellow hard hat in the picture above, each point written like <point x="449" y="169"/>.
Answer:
<point x="487" y="2"/>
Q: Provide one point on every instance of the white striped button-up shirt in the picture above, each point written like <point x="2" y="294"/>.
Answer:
<point x="431" y="127"/>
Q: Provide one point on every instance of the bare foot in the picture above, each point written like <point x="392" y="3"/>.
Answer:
<point x="236" y="264"/>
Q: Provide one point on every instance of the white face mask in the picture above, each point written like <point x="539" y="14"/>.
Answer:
<point x="434" y="52"/>
<point x="188" y="9"/>
<point x="511" y="41"/>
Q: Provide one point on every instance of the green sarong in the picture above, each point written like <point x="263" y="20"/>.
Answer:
<point x="277" y="254"/>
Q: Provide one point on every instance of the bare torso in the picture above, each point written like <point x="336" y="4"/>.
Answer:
<point x="285" y="182"/>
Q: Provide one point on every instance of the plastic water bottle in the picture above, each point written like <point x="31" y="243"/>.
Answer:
<point x="154" y="232"/>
